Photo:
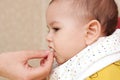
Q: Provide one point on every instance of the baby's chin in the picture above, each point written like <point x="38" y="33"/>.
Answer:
<point x="60" y="61"/>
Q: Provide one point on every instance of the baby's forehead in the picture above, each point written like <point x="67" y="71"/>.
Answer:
<point x="71" y="5"/>
<point x="67" y="7"/>
<point x="61" y="6"/>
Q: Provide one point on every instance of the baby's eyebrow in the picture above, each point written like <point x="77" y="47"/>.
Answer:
<point x="54" y="22"/>
<point x="51" y="24"/>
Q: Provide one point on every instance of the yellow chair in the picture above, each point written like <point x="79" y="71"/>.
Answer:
<point x="111" y="72"/>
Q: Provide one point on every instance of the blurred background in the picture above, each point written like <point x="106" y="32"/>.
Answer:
<point x="23" y="25"/>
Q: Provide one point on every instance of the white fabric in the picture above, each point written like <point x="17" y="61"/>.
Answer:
<point x="90" y="60"/>
<point x="100" y="64"/>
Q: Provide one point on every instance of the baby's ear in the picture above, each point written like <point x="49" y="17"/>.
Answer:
<point x="93" y="31"/>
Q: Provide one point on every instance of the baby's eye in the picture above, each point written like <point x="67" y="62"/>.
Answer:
<point x="55" y="29"/>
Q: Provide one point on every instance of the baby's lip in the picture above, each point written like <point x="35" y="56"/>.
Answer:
<point x="51" y="49"/>
<point x="49" y="46"/>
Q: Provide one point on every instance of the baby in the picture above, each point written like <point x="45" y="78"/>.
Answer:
<point x="84" y="38"/>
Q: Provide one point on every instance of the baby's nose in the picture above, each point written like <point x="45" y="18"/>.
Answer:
<point x="49" y="38"/>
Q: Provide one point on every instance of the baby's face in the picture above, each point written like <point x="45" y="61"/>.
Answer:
<point x="66" y="33"/>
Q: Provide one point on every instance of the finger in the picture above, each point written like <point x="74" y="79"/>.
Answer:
<point x="43" y="61"/>
<point x="36" y="54"/>
<point x="44" y="69"/>
<point x="48" y="62"/>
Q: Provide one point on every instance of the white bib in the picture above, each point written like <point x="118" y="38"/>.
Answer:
<point x="93" y="58"/>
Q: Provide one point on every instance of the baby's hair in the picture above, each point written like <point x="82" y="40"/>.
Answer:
<point x="104" y="11"/>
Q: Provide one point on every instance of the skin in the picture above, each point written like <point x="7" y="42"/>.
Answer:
<point x="66" y="33"/>
<point x="13" y="65"/>
<point x="69" y="33"/>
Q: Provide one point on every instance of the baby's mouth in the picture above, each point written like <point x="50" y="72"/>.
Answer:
<point x="52" y="50"/>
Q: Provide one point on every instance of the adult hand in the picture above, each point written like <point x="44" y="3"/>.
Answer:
<point x="14" y="65"/>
